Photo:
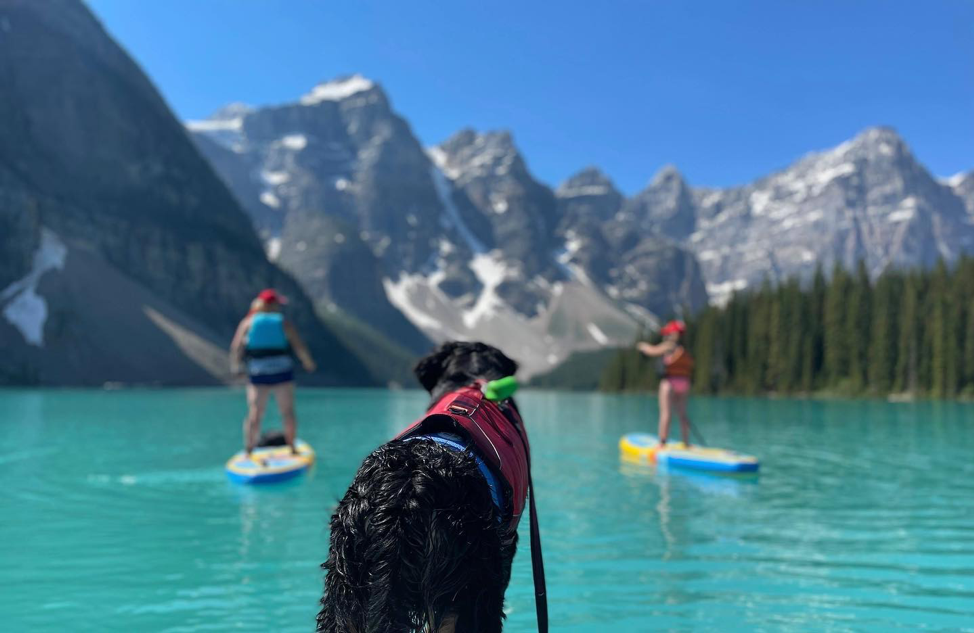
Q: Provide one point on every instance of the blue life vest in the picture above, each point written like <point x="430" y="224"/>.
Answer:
<point x="267" y="333"/>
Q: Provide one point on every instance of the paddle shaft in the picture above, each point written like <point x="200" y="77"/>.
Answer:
<point x="697" y="433"/>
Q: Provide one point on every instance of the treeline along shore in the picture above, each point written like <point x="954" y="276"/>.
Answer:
<point x="907" y="333"/>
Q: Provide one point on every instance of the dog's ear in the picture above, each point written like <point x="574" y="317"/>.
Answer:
<point x="508" y="365"/>
<point x="429" y="370"/>
<point x="486" y="361"/>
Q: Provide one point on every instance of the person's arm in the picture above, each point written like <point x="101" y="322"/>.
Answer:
<point x="659" y="349"/>
<point x="300" y="349"/>
<point x="237" y="345"/>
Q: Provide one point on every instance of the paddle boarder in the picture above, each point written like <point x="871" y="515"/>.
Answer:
<point x="265" y="342"/>
<point x="674" y="388"/>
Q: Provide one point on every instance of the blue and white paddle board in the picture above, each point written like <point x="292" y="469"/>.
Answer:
<point x="645" y="448"/>
<point x="270" y="464"/>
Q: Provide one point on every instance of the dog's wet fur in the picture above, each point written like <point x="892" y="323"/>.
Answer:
<point x="416" y="544"/>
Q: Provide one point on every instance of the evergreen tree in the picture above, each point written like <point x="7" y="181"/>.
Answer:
<point x="938" y="334"/>
<point x="796" y="323"/>
<point x="883" y="343"/>
<point x="835" y="333"/>
<point x="705" y="350"/>
<point x="775" y="366"/>
<point x="812" y="339"/>
<point x="758" y="342"/>
<point x="969" y="347"/>
<point x="907" y="364"/>
<point x="857" y="328"/>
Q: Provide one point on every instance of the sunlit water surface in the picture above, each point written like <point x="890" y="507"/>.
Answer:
<point x="116" y="515"/>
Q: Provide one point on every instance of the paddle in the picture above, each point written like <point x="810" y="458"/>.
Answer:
<point x="695" y="432"/>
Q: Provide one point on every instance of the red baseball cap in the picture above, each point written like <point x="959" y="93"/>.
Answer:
<point x="269" y="295"/>
<point x="674" y="327"/>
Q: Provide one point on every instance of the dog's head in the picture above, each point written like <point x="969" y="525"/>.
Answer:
<point x="456" y="364"/>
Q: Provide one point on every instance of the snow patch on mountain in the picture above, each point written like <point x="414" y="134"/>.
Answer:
<point x="955" y="180"/>
<point x="491" y="271"/>
<point x="270" y="199"/>
<point x="721" y="293"/>
<point x="215" y="125"/>
<point x="597" y="334"/>
<point x="445" y="193"/>
<point x="565" y="256"/>
<point x="587" y="190"/>
<point x="273" y="248"/>
<point x="399" y="292"/>
<point x="905" y="212"/>
<point x="296" y="142"/>
<point x="274" y="178"/>
<point x="337" y="90"/>
<point x="27" y="310"/>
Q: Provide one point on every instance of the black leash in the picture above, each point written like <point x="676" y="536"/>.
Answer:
<point x="537" y="564"/>
<point x="537" y="561"/>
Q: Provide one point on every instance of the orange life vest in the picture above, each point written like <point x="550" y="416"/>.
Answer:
<point x="679" y="363"/>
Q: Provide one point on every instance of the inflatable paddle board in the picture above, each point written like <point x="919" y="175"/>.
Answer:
<point x="270" y="464"/>
<point x="645" y="448"/>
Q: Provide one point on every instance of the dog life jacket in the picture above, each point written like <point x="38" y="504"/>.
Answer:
<point x="497" y="432"/>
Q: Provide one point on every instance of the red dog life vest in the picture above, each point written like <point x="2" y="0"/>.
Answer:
<point x="498" y="434"/>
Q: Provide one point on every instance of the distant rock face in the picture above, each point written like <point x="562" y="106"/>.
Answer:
<point x="666" y="206"/>
<point x="19" y="232"/>
<point x="462" y="239"/>
<point x="963" y="187"/>
<point x="610" y="241"/>
<point x="90" y="152"/>
<point x="868" y="199"/>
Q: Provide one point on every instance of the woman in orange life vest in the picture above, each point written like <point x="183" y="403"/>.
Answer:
<point x="265" y="340"/>
<point x="674" y="388"/>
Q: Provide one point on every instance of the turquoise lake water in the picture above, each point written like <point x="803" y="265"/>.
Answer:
<point x="116" y="515"/>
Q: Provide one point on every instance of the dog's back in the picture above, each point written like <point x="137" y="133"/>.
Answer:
<point x="416" y="545"/>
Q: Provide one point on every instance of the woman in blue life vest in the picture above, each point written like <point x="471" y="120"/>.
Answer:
<point x="674" y="387"/>
<point x="265" y="340"/>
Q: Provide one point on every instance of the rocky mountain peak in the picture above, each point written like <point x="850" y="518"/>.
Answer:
<point x="231" y="111"/>
<point x="666" y="206"/>
<point x="591" y="181"/>
<point x="470" y="155"/>
<point x="880" y="140"/>
<point x="668" y="176"/>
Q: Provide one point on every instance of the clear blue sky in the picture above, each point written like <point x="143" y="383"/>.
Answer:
<point x="727" y="91"/>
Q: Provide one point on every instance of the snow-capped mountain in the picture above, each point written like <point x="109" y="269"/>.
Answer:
<point x="867" y="199"/>
<point x="462" y="240"/>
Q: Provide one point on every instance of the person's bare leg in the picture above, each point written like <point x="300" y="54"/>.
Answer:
<point x="680" y="400"/>
<point x="256" y="404"/>
<point x="664" y="410"/>
<point x="284" y="394"/>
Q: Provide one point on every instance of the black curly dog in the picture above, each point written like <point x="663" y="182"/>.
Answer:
<point x="416" y="543"/>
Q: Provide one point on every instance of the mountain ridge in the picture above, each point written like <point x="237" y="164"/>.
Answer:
<point x="475" y="237"/>
<point x="464" y="239"/>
